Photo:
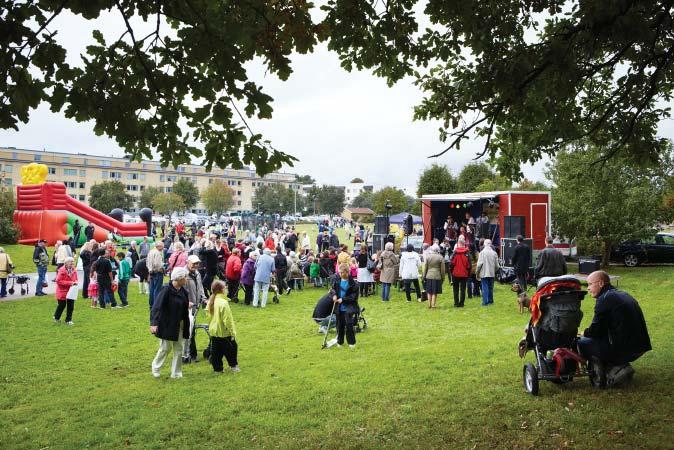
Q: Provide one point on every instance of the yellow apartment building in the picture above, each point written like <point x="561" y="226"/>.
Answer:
<point x="80" y="171"/>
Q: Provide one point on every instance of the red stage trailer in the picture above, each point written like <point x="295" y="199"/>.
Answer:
<point x="530" y="209"/>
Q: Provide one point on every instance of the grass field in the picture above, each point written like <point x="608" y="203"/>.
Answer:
<point x="417" y="378"/>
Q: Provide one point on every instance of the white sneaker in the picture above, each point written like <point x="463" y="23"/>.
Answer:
<point x="352" y="346"/>
<point x="178" y="375"/>
<point x="156" y="374"/>
<point x="70" y="323"/>
<point x="56" y="320"/>
<point x="322" y="330"/>
<point x="235" y="369"/>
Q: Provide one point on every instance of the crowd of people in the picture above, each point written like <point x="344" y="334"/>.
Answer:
<point x="209" y="267"/>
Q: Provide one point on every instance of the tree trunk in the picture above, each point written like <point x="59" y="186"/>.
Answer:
<point x="606" y="257"/>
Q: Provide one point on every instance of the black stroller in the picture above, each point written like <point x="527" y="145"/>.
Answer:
<point x="552" y="335"/>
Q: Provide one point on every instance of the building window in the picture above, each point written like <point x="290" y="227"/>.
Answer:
<point x="37" y="158"/>
<point x="238" y="193"/>
<point x="52" y="171"/>
<point x="132" y="176"/>
<point x="210" y="181"/>
<point x="181" y="169"/>
<point x="86" y="161"/>
<point x="105" y="163"/>
<point x="15" y="155"/>
<point x="66" y="159"/>
<point x="7" y="181"/>
<point x="83" y="173"/>
<point x="70" y="172"/>
<point x="70" y="185"/>
<point x="82" y="198"/>
<point x="169" y="189"/>
<point x="170" y="178"/>
<point x="238" y="203"/>
<point x="116" y="175"/>
<point x="131" y="187"/>
<point x="194" y="180"/>
<point x="162" y="178"/>
<point x="238" y="183"/>
<point x="127" y="164"/>
<point x="82" y="185"/>
<point x="142" y="177"/>
<point x="105" y="174"/>
<point x="142" y="188"/>
<point x="8" y="168"/>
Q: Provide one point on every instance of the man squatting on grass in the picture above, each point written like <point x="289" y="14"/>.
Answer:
<point x="618" y="333"/>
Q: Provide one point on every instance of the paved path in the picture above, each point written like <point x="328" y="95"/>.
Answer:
<point x="49" y="290"/>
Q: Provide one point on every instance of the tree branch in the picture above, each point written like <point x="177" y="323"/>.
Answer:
<point x="460" y="135"/>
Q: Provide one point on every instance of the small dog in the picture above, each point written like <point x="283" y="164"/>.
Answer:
<point x="523" y="301"/>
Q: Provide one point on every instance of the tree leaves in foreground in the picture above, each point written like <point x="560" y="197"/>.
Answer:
<point x="217" y="197"/>
<point x="527" y="77"/>
<point x="109" y="195"/>
<point x="607" y="202"/>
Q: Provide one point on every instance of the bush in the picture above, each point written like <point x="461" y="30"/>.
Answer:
<point x="9" y="232"/>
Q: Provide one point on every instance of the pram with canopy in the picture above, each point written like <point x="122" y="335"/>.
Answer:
<point x="552" y="334"/>
<point x="321" y="315"/>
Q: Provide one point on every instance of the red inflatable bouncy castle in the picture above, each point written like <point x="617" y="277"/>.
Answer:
<point x="46" y="211"/>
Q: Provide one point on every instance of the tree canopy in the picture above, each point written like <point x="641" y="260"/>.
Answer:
<point x="217" y="197"/>
<point x="305" y="179"/>
<point x="109" y="195"/>
<point x="276" y="199"/>
<point x="187" y="191"/>
<point x="396" y="197"/>
<point x="528" y="77"/>
<point x="167" y="203"/>
<point x="9" y="231"/>
<point x="363" y="200"/>
<point x="330" y="200"/>
<point x="146" y="199"/>
<point x="608" y="202"/>
<point x="473" y="175"/>
<point x="436" y="179"/>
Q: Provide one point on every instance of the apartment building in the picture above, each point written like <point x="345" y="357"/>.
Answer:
<point x="80" y="171"/>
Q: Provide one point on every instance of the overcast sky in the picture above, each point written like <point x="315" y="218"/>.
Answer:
<point x="339" y="125"/>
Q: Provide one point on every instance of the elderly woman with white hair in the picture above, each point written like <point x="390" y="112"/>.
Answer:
<point x="170" y="322"/>
<point x="66" y="278"/>
<point x="179" y="256"/>
<point x="434" y="273"/>
<point x="487" y="266"/>
<point x="388" y="263"/>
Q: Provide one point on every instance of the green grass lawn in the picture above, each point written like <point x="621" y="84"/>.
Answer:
<point x="418" y="378"/>
<point x="22" y="256"/>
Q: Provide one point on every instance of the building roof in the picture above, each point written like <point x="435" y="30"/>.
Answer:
<point x="475" y="195"/>
<point x="359" y="210"/>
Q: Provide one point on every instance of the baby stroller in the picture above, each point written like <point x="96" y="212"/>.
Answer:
<point x="21" y="280"/>
<point x="552" y="334"/>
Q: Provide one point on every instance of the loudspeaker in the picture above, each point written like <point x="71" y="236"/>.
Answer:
<point x="484" y="231"/>
<point x="587" y="266"/>
<point x="381" y="225"/>
<point x="514" y="225"/>
<point x="378" y="242"/>
<point x="409" y="225"/>
<point x="508" y="251"/>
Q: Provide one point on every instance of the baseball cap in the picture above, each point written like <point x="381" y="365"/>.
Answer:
<point x="193" y="259"/>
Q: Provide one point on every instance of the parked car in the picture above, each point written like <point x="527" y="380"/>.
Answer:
<point x="656" y="250"/>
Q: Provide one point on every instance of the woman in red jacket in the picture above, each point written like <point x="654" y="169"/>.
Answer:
<point x="459" y="264"/>
<point x="65" y="278"/>
<point x="233" y="275"/>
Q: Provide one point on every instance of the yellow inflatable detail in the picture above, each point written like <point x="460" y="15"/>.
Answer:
<point x="33" y="173"/>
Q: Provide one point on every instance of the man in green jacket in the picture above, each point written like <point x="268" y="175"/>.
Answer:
<point x="123" y="277"/>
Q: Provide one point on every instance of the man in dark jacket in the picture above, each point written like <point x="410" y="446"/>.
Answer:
<point x="618" y="333"/>
<point x="41" y="260"/>
<point x="550" y="262"/>
<point x="281" y="263"/>
<point x="89" y="232"/>
<point x="334" y="240"/>
<point x="345" y="295"/>
<point x="521" y="262"/>
<point x="170" y="322"/>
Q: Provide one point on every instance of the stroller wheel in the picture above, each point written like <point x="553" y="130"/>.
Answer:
<point x="597" y="373"/>
<point x="530" y="379"/>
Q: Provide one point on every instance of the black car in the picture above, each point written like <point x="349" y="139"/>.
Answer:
<point x="656" y="250"/>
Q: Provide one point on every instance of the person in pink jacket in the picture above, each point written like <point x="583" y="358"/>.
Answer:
<point x="179" y="256"/>
<point x="65" y="278"/>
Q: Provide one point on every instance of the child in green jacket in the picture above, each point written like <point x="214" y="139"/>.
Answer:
<point x="222" y="329"/>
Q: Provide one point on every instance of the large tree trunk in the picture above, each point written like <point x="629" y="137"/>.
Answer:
<point x="606" y="257"/>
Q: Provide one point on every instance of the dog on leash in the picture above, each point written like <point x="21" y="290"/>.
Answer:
<point x="522" y="298"/>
